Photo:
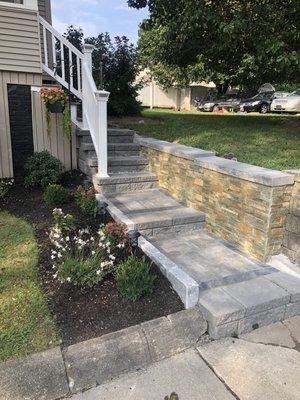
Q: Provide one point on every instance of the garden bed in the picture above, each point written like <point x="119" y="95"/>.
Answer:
<point x="84" y="314"/>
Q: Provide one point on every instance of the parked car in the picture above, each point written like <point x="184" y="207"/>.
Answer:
<point x="229" y="101"/>
<point x="288" y="104"/>
<point x="261" y="102"/>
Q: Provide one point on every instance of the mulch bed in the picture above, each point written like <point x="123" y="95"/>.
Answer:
<point x="82" y="315"/>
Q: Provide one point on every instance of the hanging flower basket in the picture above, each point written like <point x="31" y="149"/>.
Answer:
<point x="56" y="102"/>
<point x="56" y="108"/>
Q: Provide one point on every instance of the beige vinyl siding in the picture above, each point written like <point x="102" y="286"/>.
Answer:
<point x="6" y="77"/>
<point x="56" y="142"/>
<point x="19" y="41"/>
<point x="45" y="10"/>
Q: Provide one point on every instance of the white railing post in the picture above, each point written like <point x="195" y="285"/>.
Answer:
<point x="102" y="98"/>
<point x="87" y="50"/>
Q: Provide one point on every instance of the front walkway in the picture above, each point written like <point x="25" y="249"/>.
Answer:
<point x="264" y="364"/>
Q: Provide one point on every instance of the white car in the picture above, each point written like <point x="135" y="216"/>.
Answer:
<point x="288" y="104"/>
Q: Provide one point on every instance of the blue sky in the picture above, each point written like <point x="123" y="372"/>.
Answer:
<point x="95" y="16"/>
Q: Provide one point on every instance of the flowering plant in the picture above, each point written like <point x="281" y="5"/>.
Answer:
<point x="5" y="185"/>
<point x="82" y="258"/>
<point x="52" y="96"/>
<point x="63" y="222"/>
<point x="86" y="200"/>
<point x="115" y="233"/>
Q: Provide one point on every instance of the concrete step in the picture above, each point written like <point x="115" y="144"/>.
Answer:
<point x="126" y="182"/>
<point x="153" y="212"/>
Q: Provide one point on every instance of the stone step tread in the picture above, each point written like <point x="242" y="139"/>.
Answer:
<point x="208" y="260"/>
<point x="119" y="132"/>
<point x="243" y="306"/>
<point x="112" y="146"/>
<point x="119" y="161"/>
<point x="128" y="177"/>
<point x="153" y="209"/>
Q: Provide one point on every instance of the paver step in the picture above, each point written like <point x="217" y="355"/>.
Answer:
<point x="126" y="182"/>
<point x="153" y="212"/>
<point x="209" y="260"/>
<point x="114" y="149"/>
<point x="119" y="164"/>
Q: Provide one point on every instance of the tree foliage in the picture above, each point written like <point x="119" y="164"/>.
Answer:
<point x="114" y="69"/>
<point x="234" y="42"/>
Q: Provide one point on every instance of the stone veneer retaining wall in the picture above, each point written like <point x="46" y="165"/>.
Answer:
<point x="244" y="204"/>
<point x="291" y="241"/>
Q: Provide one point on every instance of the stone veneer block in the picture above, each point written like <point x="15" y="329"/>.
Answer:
<point x="222" y="331"/>
<point x="219" y="308"/>
<point x="258" y="294"/>
<point x="186" y="288"/>
<point x="290" y="283"/>
<point x="292" y="310"/>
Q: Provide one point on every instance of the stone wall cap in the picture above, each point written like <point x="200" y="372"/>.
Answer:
<point x="252" y="173"/>
<point x="295" y="172"/>
<point x="189" y="153"/>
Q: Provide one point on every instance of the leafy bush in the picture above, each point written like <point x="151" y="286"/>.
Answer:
<point x="5" y="185"/>
<point x="134" y="278"/>
<point x="63" y="222"/>
<point x="86" y="201"/>
<point x="55" y="195"/>
<point x="42" y="169"/>
<point x="81" y="258"/>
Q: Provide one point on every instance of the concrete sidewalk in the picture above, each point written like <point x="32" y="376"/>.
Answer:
<point x="264" y="364"/>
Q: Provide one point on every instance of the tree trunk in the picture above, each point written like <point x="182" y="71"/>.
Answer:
<point x="222" y="88"/>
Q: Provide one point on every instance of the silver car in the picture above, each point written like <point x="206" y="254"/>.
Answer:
<point x="288" y="104"/>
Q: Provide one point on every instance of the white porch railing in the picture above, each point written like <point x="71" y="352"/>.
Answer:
<point x="73" y="70"/>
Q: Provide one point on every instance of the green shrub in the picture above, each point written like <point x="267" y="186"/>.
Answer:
<point x="42" y="169"/>
<point x="86" y="201"/>
<point x="63" y="222"/>
<point x="55" y="195"/>
<point x="134" y="278"/>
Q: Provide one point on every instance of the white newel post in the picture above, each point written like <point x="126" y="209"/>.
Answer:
<point x="87" y="54"/>
<point x="102" y="98"/>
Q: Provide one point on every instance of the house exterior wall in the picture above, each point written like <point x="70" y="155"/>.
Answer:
<point x="19" y="41"/>
<point x="7" y="77"/>
<point x="45" y="10"/>
<point x="55" y="141"/>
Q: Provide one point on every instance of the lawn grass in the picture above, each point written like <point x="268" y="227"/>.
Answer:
<point x="25" y="322"/>
<point x="271" y="141"/>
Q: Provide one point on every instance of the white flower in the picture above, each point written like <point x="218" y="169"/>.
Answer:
<point x="59" y="255"/>
<point x="53" y="257"/>
<point x="112" y="257"/>
<point x="93" y="253"/>
<point x="98" y="272"/>
<point x="121" y="245"/>
<point x="67" y="239"/>
<point x="55" y="276"/>
<point x="68" y="279"/>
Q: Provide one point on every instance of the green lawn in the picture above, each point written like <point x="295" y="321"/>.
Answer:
<point x="25" y="322"/>
<point x="271" y="141"/>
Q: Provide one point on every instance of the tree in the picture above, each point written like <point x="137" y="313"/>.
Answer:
<point x="233" y="42"/>
<point x="115" y="68"/>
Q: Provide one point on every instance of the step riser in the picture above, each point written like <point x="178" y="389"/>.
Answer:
<point x="126" y="187"/>
<point x="92" y="169"/>
<point x="110" y="139"/>
<point x="178" y="229"/>
<point x="127" y="168"/>
<point x="111" y="153"/>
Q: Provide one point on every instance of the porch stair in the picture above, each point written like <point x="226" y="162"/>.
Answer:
<point x="236" y="294"/>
